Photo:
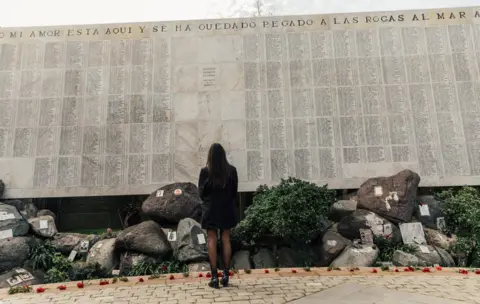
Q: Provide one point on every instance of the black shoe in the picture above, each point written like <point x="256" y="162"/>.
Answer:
<point x="225" y="280"/>
<point x="214" y="283"/>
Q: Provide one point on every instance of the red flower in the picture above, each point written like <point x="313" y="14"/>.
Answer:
<point x="171" y="277"/>
<point x="329" y="269"/>
<point x="426" y="269"/>
<point x="266" y="271"/>
<point x="388" y="236"/>
<point x="421" y="203"/>
<point x="352" y="270"/>
<point x="104" y="282"/>
<point x="410" y="268"/>
<point x="208" y="276"/>
<point x="230" y="273"/>
<point x="80" y="285"/>
<point x="477" y="271"/>
<point x="396" y="270"/>
<point x="219" y="274"/>
<point x="40" y="289"/>
<point x="62" y="287"/>
<point x="406" y="269"/>
<point x="463" y="271"/>
<point x="200" y="275"/>
<point x="164" y="268"/>
<point x="438" y="268"/>
<point x="374" y="270"/>
<point x="109" y="230"/>
<point x="140" y="280"/>
<point x="294" y="271"/>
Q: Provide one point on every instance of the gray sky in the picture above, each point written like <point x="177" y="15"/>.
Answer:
<point x="63" y="12"/>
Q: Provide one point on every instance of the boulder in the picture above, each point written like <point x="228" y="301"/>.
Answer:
<point x="66" y="242"/>
<point x="47" y="212"/>
<point x="436" y="238"/>
<point x="31" y="210"/>
<point x="404" y="259"/>
<point x="146" y="237"/>
<point x="342" y="209"/>
<point x="199" y="267"/>
<point x="287" y="258"/>
<point x="329" y="247"/>
<point x="103" y="253"/>
<point x="12" y="220"/>
<point x="25" y="207"/>
<point x="241" y="260"/>
<point x="191" y="242"/>
<point x="172" y="208"/>
<point x="434" y="210"/>
<point x="350" y="226"/>
<point x="363" y="256"/>
<point x="22" y="276"/>
<point x="43" y="226"/>
<point x="130" y="259"/>
<point x="13" y="252"/>
<point x="263" y="259"/>
<point x="391" y="197"/>
<point x="447" y="260"/>
<point x="431" y="258"/>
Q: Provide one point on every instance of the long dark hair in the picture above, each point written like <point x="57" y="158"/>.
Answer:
<point x="218" y="167"/>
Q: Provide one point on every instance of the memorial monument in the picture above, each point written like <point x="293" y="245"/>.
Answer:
<point x="125" y="108"/>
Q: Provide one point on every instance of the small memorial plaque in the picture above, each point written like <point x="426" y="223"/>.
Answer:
<point x="424" y="249"/>
<point x="26" y="276"/>
<point x="331" y="243"/>
<point x="20" y="270"/>
<point x="6" y="216"/>
<point x="366" y="236"/>
<point x="177" y="192"/>
<point x="72" y="255"/>
<point x="172" y="236"/>
<point x="201" y="238"/>
<point x="6" y="234"/>
<point x="378" y="190"/>
<point x="424" y="210"/>
<point x="412" y="233"/>
<point x="43" y="224"/>
<point x="15" y="280"/>
<point x="441" y="225"/>
<point x="116" y="272"/>
<point x="84" y="246"/>
<point x="159" y="193"/>
<point x="387" y="229"/>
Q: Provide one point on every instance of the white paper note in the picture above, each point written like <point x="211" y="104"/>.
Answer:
<point x="331" y="243"/>
<point x="43" y="224"/>
<point x="6" y="234"/>
<point x="201" y="239"/>
<point x="172" y="236"/>
<point x="378" y="190"/>
<point x="424" y="249"/>
<point x="424" y="211"/>
<point x="72" y="255"/>
<point x="116" y="272"/>
<point x="84" y="246"/>
<point x="441" y="225"/>
<point x="159" y="193"/>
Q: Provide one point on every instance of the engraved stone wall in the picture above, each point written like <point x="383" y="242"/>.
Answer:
<point x="125" y="108"/>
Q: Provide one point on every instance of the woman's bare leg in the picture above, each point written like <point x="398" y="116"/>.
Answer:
<point x="212" y="251"/>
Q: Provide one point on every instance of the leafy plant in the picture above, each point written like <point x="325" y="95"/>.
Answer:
<point x="461" y="208"/>
<point x="55" y="275"/>
<point x="42" y="256"/>
<point x="148" y="267"/>
<point x="19" y="289"/>
<point x="387" y="248"/>
<point x="294" y="210"/>
<point x="83" y="271"/>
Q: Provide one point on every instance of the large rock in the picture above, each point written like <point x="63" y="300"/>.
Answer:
<point x="342" y="209"/>
<point x="436" y="238"/>
<point x="241" y="260"/>
<point x="25" y="206"/>
<point x="47" y="212"/>
<point x="429" y="221"/>
<point x="43" y="226"/>
<point x="26" y="274"/>
<point x="13" y="220"/>
<point x="199" y="267"/>
<point x="287" y="257"/>
<point x="391" y="197"/>
<point x="263" y="259"/>
<point x="13" y="252"/>
<point x="431" y="258"/>
<point x="447" y="260"/>
<point x="191" y="242"/>
<point x="66" y="242"/>
<point x="350" y="226"/>
<point x="103" y="253"/>
<point x="330" y="246"/>
<point x="363" y="256"/>
<point x="404" y="259"/>
<point x="171" y="208"/>
<point x="128" y="260"/>
<point x="146" y="237"/>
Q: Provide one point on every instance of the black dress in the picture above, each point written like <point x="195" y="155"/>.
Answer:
<point x="218" y="204"/>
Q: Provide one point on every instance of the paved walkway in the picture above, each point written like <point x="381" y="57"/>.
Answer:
<point x="301" y="288"/>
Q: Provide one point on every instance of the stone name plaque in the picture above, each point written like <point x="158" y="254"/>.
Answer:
<point x="126" y="108"/>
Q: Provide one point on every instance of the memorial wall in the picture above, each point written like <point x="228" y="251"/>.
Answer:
<point x="125" y="108"/>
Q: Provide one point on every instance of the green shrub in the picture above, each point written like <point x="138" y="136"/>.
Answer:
<point x="461" y="208"/>
<point x="84" y="271"/>
<point x="42" y="256"/>
<point x="295" y="210"/>
<point x="387" y="248"/>
<point x="158" y="267"/>
<point x="55" y="275"/>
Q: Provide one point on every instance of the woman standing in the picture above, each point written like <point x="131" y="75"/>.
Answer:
<point x="218" y="185"/>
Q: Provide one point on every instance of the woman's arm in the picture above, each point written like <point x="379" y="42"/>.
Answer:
<point x="201" y="182"/>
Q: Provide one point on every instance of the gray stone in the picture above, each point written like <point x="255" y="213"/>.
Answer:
<point x="363" y="256"/>
<point x="13" y="252"/>
<point x="191" y="242"/>
<point x="128" y="260"/>
<point x="433" y="208"/>
<point x="447" y="260"/>
<point x="350" y="226"/>
<point x="404" y="259"/>
<point x="263" y="259"/>
<point x="330" y="246"/>
<point x="66" y="242"/>
<point x="199" y="267"/>
<point x="16" y="222"/>
<point x="436" y="238"/>
<point x="431" y="258"/>
<point x="287" y="258"/>
<point x="391" y="197"/>
<point x="146" y="237"/>
<point x="47" y="231"/>
<point x="103" y="253"/>
<point x="25" y="274"/>
<point x="241" y="260"/>
<point x="342" y="209"/>
<point x="31" y="210"/>
<point x="171" y="208"/>
<point x="47" y="212"/>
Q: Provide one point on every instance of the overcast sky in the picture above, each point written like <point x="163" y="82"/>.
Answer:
<point x="63" y="12"/>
